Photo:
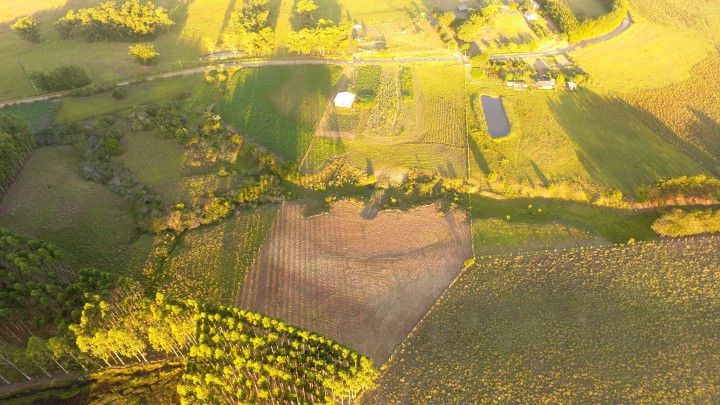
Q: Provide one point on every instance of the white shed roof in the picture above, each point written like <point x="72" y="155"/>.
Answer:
<point x="345" y="99"/>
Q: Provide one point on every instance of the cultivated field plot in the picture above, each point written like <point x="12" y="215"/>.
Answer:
<point x="50" y="200"/>
<point x="279" y="106"/>
<point x="210" y="263"/>
<point x="415" y="119"/>
<point x="39" y="114"/>
<point x="365" y="283"/>
<point x="609" y="325"/>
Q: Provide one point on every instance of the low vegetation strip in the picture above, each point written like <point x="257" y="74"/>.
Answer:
<point x="620" y="324"/>
<point x="684" y="223"/>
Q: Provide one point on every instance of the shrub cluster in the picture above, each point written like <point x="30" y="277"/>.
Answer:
<point x="421" y="187"/>
<point x="27" y="28"/>
<point x="683" y="190"/>
<point x="326" y="38"/>
<point x="562" y="14"/>
<point x="144" y="54"/>
<point x="251" y="31"/>
<point x="685" y="223"/>
<point x="166" y="121"/>
<point x="63" y="77"/>
<point x="109" y="21"/>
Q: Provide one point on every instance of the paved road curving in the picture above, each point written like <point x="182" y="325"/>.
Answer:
<point x="626" y="23"/>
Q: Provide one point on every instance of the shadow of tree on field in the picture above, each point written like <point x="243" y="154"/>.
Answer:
<point x="327" y="10"/>
<point x="478" y="156"/>
<point x="540" y="175"/>
<point x="615" y="145"/>
<point x="228" y="15"/>
<point x="705" y="131"/>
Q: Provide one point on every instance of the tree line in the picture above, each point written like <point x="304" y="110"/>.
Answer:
<point x="16" y="143"/>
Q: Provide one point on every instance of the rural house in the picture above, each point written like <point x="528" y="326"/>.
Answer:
<point x="345" y="99"/>
<point x="546" y="84"/>
<point x="530" y="15"/>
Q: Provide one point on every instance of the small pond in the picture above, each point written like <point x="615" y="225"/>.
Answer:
<point x="497" y="120"/>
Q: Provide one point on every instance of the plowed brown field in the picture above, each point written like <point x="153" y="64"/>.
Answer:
<point x="365" y="283"/>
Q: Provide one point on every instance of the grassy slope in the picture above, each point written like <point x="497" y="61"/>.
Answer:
<point x="583" y="137"/>
<point x="210" y="263"/>
<point x="279" y="106"/>
<point x="198" y="25"/>
<point x="191" y="89"/>
<point x="619" y="324"/>
<point x="50" y="201"/>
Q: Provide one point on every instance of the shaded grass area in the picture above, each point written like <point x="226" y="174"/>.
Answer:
<point x="611" y="224"/>
<point x="50" y="201"/>
<point x="607" y="325"/>
<point x="594" y="142"/>
<point x="210" y="263"/>
<point x="191" y="91"/>
<point x="585" y="9"/>
<point x="279" y="106"/>
<point x="40" y="114"/>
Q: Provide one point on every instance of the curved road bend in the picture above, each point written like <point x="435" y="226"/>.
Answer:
<point x="627" y="22"/>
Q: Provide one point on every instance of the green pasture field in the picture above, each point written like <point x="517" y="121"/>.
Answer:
<point x="579" y="138"/>
<point x="606" y="325"/>
<point x="279" y="106"/>
<point x="50" y="201"/>
<point x="555" y="218"/>
<point x="211" y="263"/>
<point x="39" y="114"/>
<point x="198" y="26"/>
<point x="640" y="58"/>
<point x="585" y="9"/>
<point x="191" y="90"/>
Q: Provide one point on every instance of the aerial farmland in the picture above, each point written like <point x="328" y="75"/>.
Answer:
<point x="366" y="202"/>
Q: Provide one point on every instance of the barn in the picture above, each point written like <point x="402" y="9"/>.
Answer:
<point x="345" y="99"/>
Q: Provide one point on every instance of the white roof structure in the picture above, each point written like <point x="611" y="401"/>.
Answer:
<point x="345" y="99"/>
<point x="572" y="85"/>
<point x="530" y="15"/>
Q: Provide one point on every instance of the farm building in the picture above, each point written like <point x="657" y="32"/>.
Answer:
<point x="345" y="99"/>
<point x="546" y="84"/>
<point x="517" y="86"/>
<point x="534" y="4"/>
<point x="530" y="15"/>
<point x="572" y="86"/>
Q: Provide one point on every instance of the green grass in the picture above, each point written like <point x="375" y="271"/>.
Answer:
<point x="191" y="90"/>
<point x="50" y="201"/>
<point x="210" y="263"/>
<point x="279" y="106"/>
<point x="585" y="9"/>
<point x="611" y="224"/>
<point x="610" y="325"/>
<point x="640" y="57"/>
<point x="198" y="26"/>
<point x="581" y="138"/>
<point x="39" y="114"/>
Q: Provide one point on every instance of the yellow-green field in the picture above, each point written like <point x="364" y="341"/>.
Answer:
<point x="575" y="143"/>
<point x="557" y="327"/>
<point x="52" y="202"/>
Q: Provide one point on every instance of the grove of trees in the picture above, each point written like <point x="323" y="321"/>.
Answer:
<point x="16" y="143"/>
<point x="109" y="21"/>
<point x="251" y="32"/>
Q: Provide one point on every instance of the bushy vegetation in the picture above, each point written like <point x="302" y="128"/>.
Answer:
<point x="578" y="31"/>
<point x="144" y="53"/>
<point x="682" y="191"/>
<point x="63" y="77"/>
<point x="27" y="28"/>
<point x="109" y="21"/>
<point x="325" y="38"/>
<point x="685" y="223"/>
<point x="252" y="33"/>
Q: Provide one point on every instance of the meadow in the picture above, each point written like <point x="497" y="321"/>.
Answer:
<point x="39" y="114"/>
<point x="50" y="201"/>
<point x="556" y="327"/>
<point x="569" y="139"/>
<point x="279" y="106"/>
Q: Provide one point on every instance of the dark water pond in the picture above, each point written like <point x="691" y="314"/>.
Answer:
<point x="497" y="120"/>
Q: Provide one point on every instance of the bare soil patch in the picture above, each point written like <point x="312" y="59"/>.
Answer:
<point x="365" y="283"/>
